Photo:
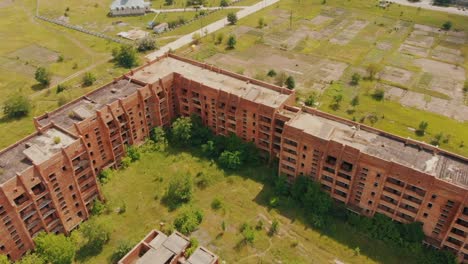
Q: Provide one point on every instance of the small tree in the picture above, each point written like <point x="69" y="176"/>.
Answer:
<point x="271" y="73"/>
<point x="96" y="235"/>
<point x="30" y="259"/>
<point x="122" y="249"/>
<point x="168" y="2"/>
<point x="158" y="136"/>
<point x="188" y="220"/>
<point x="182" y="130"/>
<point x="422" y="128"/>
<point x="88" y="79"/>
<point x="231" y="42"/>
<point x="216" y="204"/>
<point x="355" y="79"/>
<point x="17" y="106"/>
<point x="310" y="100"/>
<point x="280" y="79"/>
<point x="42" y="75"/>
<point x="98" y="206"/>
<point x="378" y="94"/>
<point x="372" y="70"/>
<point x="146" y="43"/>
<point x="55" y="249"/>
<point x="60" y="88"/>
<point x="261" y="22"/>
<point x="4" y="259"/>
<point x="335" y="105"/>
<point x="230" y="160"/>
<point x="125" y="56"/>
<point x="447" y="26"/>
<point x="132" y="153"/>
<point x="232" y="18"/>
<point x="224" y="3"/>
<point x="290" y="83"/>
<point x="180" y="190"/>
<point x="219" y="38"/>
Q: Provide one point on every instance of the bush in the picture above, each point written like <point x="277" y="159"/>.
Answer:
<point x="310" y="100"/>
<point x="290" y="83"/>
<point x="96" y="235"/>
<point x="231" y="42"/>
<point x="187" y="221"/>
<point x="230" y="160"/>
<point x="281" y="79"/>
<point x="17" y="106"/>
<point x="88" y="79"/>
<point x="193" y="246"/>
<point x="447" y="25"/>
<point x="147" y="43"/>
<point x="248" y="234"/>
<point x="54" y="249"/>
<point x="179" y="191"/>
<point x="122" y="249"/>
<point x="422" y="128"/>
<point x="104" y="175"/>
<point x="216" y="204"/>
<point x="158" y="136"/>
<point x="42" y="75"/>
<point x="132" y="153"/>
<point x="274" y="228"/>
<point x="60" y="88"/>
<point x="182" y="130"/>
<point x="379" y="94"/>
<point x="125" y="56"/>
<point x="355" y="79"/>
<point x="271" y="73"/>
<point x="259" y="225"/>
<point x="224" y="3"/>
<point x="232" y="18"/>
<point x="219" y="38"/>
<point x="98" y="207"/>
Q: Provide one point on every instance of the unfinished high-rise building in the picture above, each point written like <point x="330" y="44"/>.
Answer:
<point x="48" y="180"/>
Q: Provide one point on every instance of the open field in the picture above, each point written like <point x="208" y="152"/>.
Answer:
<point x="244" y="197"/>
<point x="421" y="68"/>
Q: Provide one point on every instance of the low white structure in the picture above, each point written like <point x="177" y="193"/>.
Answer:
<point x="129" y="7"/>
<point x="161" y="28"/>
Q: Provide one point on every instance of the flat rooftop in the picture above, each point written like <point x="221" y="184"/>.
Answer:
<point x="36" y="149"/>
<point x="163" y="249"/>
<point x="442" y="166"/>
<point x="201" y="256"/>
<point x="87" y="106"/>
<point x="243" y="89"/>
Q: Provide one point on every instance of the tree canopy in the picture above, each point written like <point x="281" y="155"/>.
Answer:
<point x="55" y="249"/>
<point x="125" y="56"/>
<point x="17" y="106"/>
<point x="188" y="220"/>
<point x="179" y="191"/>
<point x="182" y="130"/>
<point x="232" y="18"/>
<point x="42" y="75"/>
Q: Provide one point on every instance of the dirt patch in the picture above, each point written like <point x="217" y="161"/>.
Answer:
<point x="396" y="75"/>
<point x="320" y="19"/>
<point x="426" y="28"/>
<point x="441" y="69"/>
<point x="447" y="57"/>
<point x="5" y="3"/>
<point x="18" y="66"/>
<point x="455" y="39"/>
<point x="447" y="85"/>
<point x="392" y="92"/>
<point x="36" y="54"/>
<point x="345" y="36"/>
<point x="241" y="30"/>
<point x="384" y="45"/>
<point x="413" y="50"/>
<point x="414" y="100"/>
<point x="419" y="40"/>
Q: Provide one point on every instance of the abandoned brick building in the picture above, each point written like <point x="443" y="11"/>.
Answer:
<point x="48" y="180"/>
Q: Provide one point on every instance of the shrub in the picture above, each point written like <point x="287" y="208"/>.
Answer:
<point x="98" y="207"/>
<point x="355" y="78"/>
<point x="274" y="228"/>
<point x="422" y="128"/>
<point x="447" y="25"/>
<point x="290" y="83"/>
<point x="57" y="140"/>
<point x="96" y="235"/>
<point x="259" y="225"/>
<point x="88" y="79"/>
<point x="271" y="73"/>
<point x="224" y="3"/>
<point x="310" y="100"/>
<point x="232" y="18"/>
<point x="261" y="22"/>
<point x="125" y="56"/>
<point x="193" y="246"/>
<point x="230" y="160"/>
<point x="355" y="101"/>
<point x="122" y="249"/>
<point x="132" y="153"/>
<point x="187" y="221"/>
<point x="248" y="234"/>
<point x="17" y="106"/>
<point x="42" y="75"/>
<point x="231" y="42"/>
<point x="55" y="249"/>
<point x="60" y="88"/>
<point x="378" y="94"/>
<point x="216" y="204"/>
<point x="147" y="43"/>
<point x="179" y="191"/>
<point x="219" y="38"/>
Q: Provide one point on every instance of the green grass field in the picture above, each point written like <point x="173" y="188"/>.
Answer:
<point x="390" y="26"/>
<point x="244" y="196"/>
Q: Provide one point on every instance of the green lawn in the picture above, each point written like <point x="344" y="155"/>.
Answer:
<point x="245" y="197"/>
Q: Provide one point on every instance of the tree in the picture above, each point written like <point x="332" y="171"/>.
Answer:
<point x="443" y="2"/>
<point x="42" y="75"/>
<point x="230" y="160"/>
<point x="96" y="235"/>
<point x="372" y="70"/>
<point x="231" y="42"/>
<point x="355" y="101"/>
<point x="98" y="207"/>
<point x="60" y="88"/>
<point x="146" y="43"/>
<point x="30" y="259"/>
<point x="158" y="136"/>
<point x="422" y="128"/>
<point x="125" y="56"/>
<point x="271" y="73"/>
<point x="209" y="149"/>
<point x="122" y="249"/>
<point x="310" y="100"/>
<point x="188" y="220"/>
<point x="378" y="94"/>
<point x="447" y="26"/>
<point x="180" y="190"/>
<point x="17" y="106"/>
<point x="335" y="104"/>
<point x="355" y="79"/>
<point x="223" y="3"/>
<point x="216" y="204"/>
<point x="132" y="153"/>
<point x="290" y="83"/>
<point x="55" y="249"/>
<point x="193" y="246"/>
<point x="248" y="234"/>
<point x="182" y="130"/>
<point x="232" y="18"/>
<point x="168" y="2"/>
<point x="88" y="79"/>
<point x="280" y="79"/>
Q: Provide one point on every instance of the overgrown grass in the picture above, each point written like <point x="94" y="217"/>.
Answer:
<point x="245" y="197"/>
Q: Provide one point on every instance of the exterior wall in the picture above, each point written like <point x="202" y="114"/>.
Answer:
<point x="129" y="11"/>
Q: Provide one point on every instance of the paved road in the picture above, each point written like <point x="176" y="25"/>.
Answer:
<point x="186" y="39"/>
<point x="189" y="9"/>
<point x="427" y="4"/>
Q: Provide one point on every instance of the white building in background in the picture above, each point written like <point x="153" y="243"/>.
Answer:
<point x="129" y="7"/>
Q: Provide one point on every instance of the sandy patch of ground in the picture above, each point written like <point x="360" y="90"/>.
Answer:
<point x="241" y="30"/>
<point x="419" y="40"/>
<point x="447" y="57"/>
<point x="441" y="68"/>
<point x="396" y="75"/>
<point x="5" y="3"/>
<point x="426" y="28"/>
<point x="413" y="50"/>
<point x="345" y="36"/>
<point x="320" y="19"/>
<point x="384" y="45"/>
<point x="35" y="53"/>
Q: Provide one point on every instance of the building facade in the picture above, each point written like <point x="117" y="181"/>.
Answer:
<point x="129" y="7"/>
<point x="48" y="180"/>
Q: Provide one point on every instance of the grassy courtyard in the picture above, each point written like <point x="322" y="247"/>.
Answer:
<point x="244" y="196"/>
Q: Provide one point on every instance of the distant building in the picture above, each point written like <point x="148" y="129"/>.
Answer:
<point x="129" y="7"/>
<point x="158" y="248"/>
<point x="161" y="28"/>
